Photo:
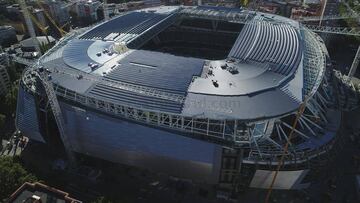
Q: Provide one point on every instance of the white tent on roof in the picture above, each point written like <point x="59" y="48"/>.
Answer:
<point x="42" y="40"/>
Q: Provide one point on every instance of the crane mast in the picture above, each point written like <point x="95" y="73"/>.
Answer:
<point x="354" y="65"/>
<point x="106" y="12"/>
<point x="29" y="24"/>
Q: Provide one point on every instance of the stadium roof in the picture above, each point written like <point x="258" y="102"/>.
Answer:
<point x="262" y="76"/>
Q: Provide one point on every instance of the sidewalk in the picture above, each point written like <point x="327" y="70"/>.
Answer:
<point x="14" y="146"/>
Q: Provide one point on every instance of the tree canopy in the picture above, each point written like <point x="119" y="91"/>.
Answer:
<point x="2" y="121"/>
<point x="11" y="98"/>
<point x="12" y="176"/>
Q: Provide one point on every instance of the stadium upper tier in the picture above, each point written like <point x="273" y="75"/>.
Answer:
<point x="244" y="65"/>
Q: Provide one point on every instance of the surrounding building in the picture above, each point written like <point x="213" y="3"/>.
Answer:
<point x="7" y="36"/>
<point x="298" y="12"/>
<point x="87" y="9"/>
<point x="312" y="3"/>
<point x="58" y="10"/>
<point x="178" y="91"/>
<point x="38" y="192"/>
<point x="14" y="11"/>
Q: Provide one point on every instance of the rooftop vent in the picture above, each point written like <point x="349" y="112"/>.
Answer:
<point x="215" y="83"/>
<point x="233" y="70"/>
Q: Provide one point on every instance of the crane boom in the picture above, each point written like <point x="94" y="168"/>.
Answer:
<point x="328" y="17"/>
<point x="354" y="65"/>
<point x="288" y="143"/>
<point x="61" y="31"/>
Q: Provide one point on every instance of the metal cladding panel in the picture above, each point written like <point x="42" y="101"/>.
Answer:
<point x="26" y="116"/>
<point x="241" y="107"/>
<point x="219" y="8"/>
<point x="166" y="72"/>
<point x="75" y="55"/>
<point x="133" y="23"/>
<point x="133" y="144"/>
<point x="285" y="180"/>
<point x="64" y="80"/>
<point x="117" y="95"/>
<point x="275" y="44"/>
<point x="158" y="70"/>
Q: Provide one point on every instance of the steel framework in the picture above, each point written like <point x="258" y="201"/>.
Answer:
<point x="265" y="139"/>
<point x="328" y="17"/>
<point x="334" y="30"/>
<point x="246" y="17"/>
<point x="259" y="136"/>
<point x="55" y="107"/>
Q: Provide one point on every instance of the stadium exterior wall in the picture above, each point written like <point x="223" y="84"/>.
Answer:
<point x="125" y="142"/>
<point x="26" y="115"/>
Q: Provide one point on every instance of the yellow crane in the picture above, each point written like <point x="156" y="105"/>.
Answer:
<point x="286" y="149"/>
<point x="61" y="31"/>
<point x="43" y="29"/>
<point x="244" y="2"/>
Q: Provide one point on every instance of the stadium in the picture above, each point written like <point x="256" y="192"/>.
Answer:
<point x="202" y="93"/>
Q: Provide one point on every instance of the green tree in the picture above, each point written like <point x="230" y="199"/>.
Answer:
<point x="2" y="120"/>
<point x="14" y="70"/>
<point x="11" y="98"/>
<point x="12" y="176"/>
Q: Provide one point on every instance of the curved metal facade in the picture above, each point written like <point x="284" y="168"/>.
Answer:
<point x="142" y="110"/>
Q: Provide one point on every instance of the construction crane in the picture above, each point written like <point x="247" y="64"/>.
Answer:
<point x="44" y="78"/>
<point x="29" y="24"/>
<point x="322" y="12"/>
<point x="61" y="31"/>
<point x="286" y="147"/>
<point x="43" y="29"/>
<point x="354" y="65"/>
<point x="333" y="30"/>
<point x="244" y="2"/>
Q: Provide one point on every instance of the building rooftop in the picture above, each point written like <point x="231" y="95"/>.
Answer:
<point x="262" y="60"/>
<point x="42" y="40"/>
<point x="38" y="192"/>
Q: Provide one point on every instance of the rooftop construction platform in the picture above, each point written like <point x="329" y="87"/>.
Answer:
<point x="167" y="82"/>
<point x="243" y="60"/>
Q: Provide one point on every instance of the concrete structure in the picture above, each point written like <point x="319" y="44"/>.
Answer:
<point x="14" y="10"/>
<point x="39" y="14"/>
<point x="205" y="93"/>
<point x="38" y="192"/>
<point x="7" y="36"/>
<point x="29" y="44"/>
<point x="58" y="10"/>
